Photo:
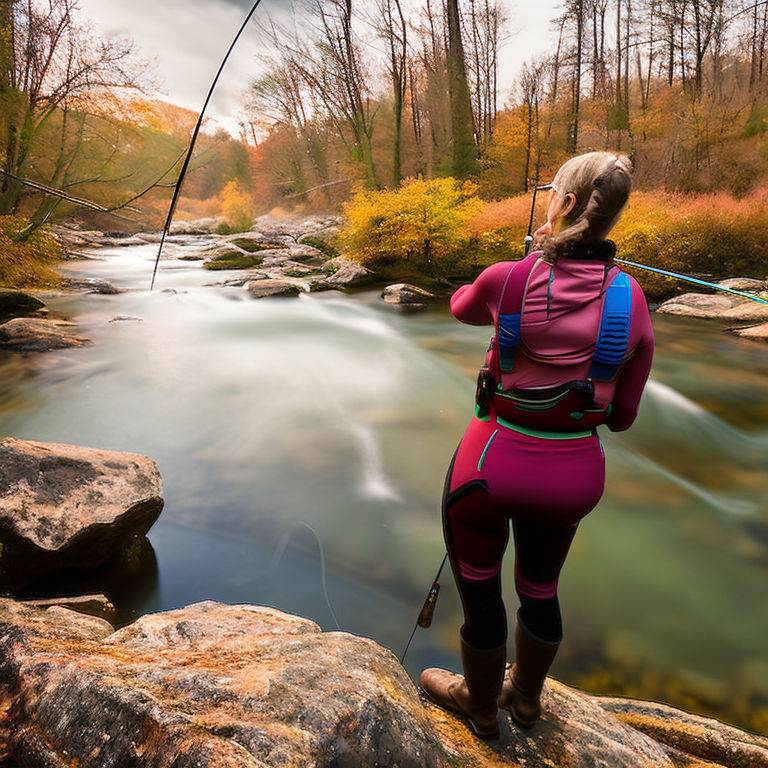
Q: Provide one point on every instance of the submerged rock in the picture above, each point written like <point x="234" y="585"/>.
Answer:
<point x="344" y="272"/>
<point x="219" y="686"/>
<point x="63" y="506"/>
<point x="92" y="605"/>
<point x="14" y="303"/>
<point x="33" y="335"/>
<point x="757" y="332"/>
<point x="406" y="296"/>
<point x="92" y="285"/>
<point x="268" y="287"/>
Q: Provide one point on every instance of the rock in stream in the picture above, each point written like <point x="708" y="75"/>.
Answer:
<point x="63" y="506"/>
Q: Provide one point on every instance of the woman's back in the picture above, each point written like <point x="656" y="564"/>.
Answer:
<point x="559" y="328"/>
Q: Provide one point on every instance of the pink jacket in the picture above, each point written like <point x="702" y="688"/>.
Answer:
<point x="557" y="343"/>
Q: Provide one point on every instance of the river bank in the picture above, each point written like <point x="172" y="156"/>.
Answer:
<point x="304" y="441"/>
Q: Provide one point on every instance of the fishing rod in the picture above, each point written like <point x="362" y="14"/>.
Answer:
<point x="529" y="236"/>
<point x="195" y="132"/>
<point x="427" y="611"/>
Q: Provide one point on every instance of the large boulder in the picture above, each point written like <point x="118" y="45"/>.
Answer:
<point x="219" y="686"/>
<point x="63" y="506"/>
<point x="34" y="335"/>
<point x="14" y="303"/>
<point x="344" y="272"/>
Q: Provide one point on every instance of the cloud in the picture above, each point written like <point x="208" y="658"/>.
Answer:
<point x="188" y="39"/>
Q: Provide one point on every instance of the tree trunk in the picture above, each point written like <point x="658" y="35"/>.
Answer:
<point x="573" y="123"/>
<point x="464" y="149"/>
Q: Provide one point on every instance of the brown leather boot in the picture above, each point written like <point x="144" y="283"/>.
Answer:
<point x="523" y="680"/>
<point x="475" y="695"/>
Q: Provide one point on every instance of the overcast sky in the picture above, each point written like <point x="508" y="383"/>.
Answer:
<point x="188" y="38"/>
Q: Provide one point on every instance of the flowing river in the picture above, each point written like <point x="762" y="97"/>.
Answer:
<point x="303" y="445"/>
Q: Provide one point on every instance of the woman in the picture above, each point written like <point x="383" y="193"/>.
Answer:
<point x="572" y="349"/>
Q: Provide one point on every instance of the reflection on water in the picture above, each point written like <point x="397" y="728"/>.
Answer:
<point x="303" y="445"/>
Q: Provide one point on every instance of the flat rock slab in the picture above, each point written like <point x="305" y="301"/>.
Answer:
<point x="745" y="284"/>
<point x="698" y="305"/>
<point x="261" y="289"/>
<point x="718" y="306"/>
<point x="218" y="686"/>
<point x="63" y="506"/>
<point x="34" y="335"/>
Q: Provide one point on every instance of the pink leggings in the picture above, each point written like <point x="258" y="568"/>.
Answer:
<point x="544" y="486"/>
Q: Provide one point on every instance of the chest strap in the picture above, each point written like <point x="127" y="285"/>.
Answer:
<point x="612" y="336"/>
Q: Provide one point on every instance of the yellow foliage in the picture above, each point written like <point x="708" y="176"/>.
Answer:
<point x="237" y="207"/>
<point x="441" y="228"/>
<point x="420" y="228"/>
<point x="25" y="261"/>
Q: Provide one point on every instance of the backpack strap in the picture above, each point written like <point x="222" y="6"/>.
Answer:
<point x="613" y="336"/>
<point x="510" y="312"/>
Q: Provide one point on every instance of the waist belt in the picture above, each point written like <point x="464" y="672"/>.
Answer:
<point x="567" y="408"/>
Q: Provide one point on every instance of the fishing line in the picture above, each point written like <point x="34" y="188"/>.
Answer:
<point x="195" y="132"/>
<point x="280" y="551"/>
<point x="694" y="280"/>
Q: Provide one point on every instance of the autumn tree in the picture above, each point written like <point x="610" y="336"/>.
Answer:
<point x="487" y="25"/>
<point x="52" y="66"/>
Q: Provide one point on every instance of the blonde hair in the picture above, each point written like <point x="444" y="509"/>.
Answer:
<point x="600" y="182"/>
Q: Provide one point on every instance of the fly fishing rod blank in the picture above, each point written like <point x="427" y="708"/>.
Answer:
<point x="195" y="132"/>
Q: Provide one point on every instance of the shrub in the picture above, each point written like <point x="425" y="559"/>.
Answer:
<point x="25" y="261"/>
<point x="713" y="236"/>
<point x="237" y="207"/>
<point x="420" y="228"/>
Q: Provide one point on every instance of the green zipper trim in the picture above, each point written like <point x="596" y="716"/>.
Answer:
<point x="540" y="432"/>
<point x="485" y="450"/>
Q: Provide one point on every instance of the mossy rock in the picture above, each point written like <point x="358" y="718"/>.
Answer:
<point x="233" y="260"/>
<point x="253" y="246"/>
<point x="322" y="245"/>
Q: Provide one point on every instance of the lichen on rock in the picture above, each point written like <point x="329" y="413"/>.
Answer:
<point x="243" y="686"/>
